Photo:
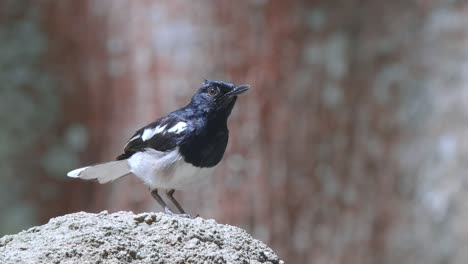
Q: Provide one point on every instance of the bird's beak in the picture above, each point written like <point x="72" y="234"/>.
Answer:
<point x="238" y="90"/>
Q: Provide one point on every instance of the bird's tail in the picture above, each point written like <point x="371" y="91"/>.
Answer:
<point x="104" y="172"/>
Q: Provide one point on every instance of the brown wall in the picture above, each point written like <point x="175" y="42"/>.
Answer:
<point x="349" y="148"/>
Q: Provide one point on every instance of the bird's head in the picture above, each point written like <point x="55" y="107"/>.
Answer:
<point x="217" y="97"/>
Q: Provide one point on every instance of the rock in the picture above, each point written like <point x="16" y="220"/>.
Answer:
<point x="124" y="237"/>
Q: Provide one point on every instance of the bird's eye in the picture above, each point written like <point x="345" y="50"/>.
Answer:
<point x="212" y="91"/>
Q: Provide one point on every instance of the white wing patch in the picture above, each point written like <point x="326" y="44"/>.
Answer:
<point x="150" y="132"/>
<point x="130" y="140"/>
<point x="178" y="128"/>
<point x="133" y="138"/>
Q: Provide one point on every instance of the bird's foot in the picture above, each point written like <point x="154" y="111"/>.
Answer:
<point x="169" y="212"/>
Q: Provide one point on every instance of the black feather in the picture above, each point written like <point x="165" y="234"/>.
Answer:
<point x="204" y="140"/>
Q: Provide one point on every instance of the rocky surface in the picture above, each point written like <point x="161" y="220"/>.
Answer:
<point x="124" y="237"/>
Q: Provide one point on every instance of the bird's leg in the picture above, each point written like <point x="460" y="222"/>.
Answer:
<point x="170" y="194"/>
<point x="160" y="201"/>
<point x="163" y="204"/>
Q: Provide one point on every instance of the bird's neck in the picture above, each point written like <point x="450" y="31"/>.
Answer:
<point x="212" y="117"/>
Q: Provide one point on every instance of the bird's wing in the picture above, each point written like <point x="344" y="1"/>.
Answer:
<point x="162" y="135"/>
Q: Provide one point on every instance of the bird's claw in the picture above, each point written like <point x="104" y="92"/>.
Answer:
<point x="169" y="212"/>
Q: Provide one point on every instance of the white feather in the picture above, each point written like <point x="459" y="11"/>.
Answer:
<point x="133" y="138"/>
<point x="104" y="172"/>
<point x="166" y="170"/>
<point x="178" y="128"/>
<point x="157" y="169"/>
<point x="130" y="140"/>
<point x="150" y="132"/>
<point x="76" y="173"/>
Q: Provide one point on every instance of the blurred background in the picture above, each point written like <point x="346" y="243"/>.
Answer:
<point x="352" y="146"/>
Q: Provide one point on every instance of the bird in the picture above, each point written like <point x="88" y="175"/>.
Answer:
<point x="169" y="153"/>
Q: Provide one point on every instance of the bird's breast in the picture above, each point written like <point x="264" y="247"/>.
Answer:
<point x="205" y="151"/>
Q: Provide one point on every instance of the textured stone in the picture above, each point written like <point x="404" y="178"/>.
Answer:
<point x="124" y="237"/>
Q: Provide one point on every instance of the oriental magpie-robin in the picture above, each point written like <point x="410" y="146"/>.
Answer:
<point x="169" y="153"/>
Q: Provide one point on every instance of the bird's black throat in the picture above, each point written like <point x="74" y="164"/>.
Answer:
<point x="206" y="147"/>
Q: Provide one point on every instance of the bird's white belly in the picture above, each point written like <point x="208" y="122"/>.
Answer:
<point x="166" y="170"/>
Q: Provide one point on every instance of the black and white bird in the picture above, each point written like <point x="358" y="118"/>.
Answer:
<point x="169" y="153"/>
